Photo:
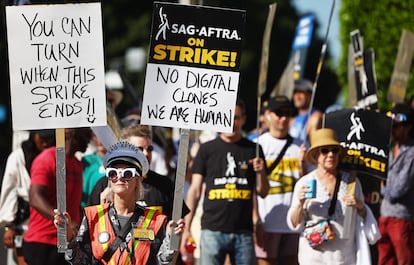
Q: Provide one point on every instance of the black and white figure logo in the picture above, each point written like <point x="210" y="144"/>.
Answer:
<point x="164" y="26"/>
<point x="364" y="81"/>
<point x="231" y="165"/>
<point x="356" y="128"/>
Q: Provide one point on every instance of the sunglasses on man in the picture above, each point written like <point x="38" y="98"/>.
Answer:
<point x="283" y="112"/>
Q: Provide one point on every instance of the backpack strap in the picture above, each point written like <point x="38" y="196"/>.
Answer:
<point x="121" y="237"/>
<point x="289" y="141"/>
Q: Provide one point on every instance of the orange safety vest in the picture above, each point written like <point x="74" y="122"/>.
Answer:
<point x="100" y="228"/>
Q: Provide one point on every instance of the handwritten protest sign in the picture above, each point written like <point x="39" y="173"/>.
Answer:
<point x="56" y="66"/>
<point x="192" y="73"/>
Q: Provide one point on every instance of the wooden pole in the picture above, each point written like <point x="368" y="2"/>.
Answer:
<point x="349" y="211"/>
<point x="179" y="183"/>
<point x="264" y="62"/>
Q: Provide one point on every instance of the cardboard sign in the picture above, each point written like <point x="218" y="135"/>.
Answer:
<point x="366" y="136"/>
<point x="192" y="74"/>
<point x="56" y="66"/>
<point x="402" y="68"/>
<point x="300" y="45"/>
<point x="295" y="67"/>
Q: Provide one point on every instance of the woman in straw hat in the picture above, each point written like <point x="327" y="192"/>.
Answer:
<point x="328" y="202"/>
<point x="121" y="232"/>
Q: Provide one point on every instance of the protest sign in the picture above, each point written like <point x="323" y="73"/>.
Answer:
<point x="402" y="68"/>
<point x="295" y="68"/>
<point x="56" y="76"/>
<point x="56" y="66"/>
<point x="365" y="82"/>
<point x="192" y="76"/>
<point x="366" y="136"/>
<point x="192" y="72"/>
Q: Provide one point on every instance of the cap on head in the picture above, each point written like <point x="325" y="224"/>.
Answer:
<point x="320" y="138"/>
<point x="402" y="113"/>
<point x="303" y="85"/>
<point x="126" y="153"/>
<point x="277" y="102"/>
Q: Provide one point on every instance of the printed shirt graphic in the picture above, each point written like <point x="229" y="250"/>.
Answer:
<point x="273" y="208"/>
<point x="230" y="182"/>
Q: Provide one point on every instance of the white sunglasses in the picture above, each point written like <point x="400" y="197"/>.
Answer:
<point x="126" y="173"/>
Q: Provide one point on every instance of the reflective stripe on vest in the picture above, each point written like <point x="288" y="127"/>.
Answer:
<point x="99" y="222"/>
<point x="101" y="218"/>
<point x="148" y="216"/>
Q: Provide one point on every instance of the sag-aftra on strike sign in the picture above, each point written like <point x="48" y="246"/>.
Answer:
<point x="192" y="74"/>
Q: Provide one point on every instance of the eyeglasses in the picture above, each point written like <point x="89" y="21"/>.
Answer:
<point x="326" y="150"/>
<point x="283" y="113"/>
<point x="150" y="148"/>
<point x="126" y="173"/>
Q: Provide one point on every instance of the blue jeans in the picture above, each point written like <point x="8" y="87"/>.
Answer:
<point x="215" y="245"/>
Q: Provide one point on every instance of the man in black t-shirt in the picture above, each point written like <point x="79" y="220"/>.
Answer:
<point x="232" y="175"/>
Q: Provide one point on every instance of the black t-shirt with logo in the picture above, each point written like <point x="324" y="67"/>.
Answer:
<point x="230" y="184"/>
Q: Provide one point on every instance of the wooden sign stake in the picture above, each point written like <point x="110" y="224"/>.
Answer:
<point x="179" y="183"/>
<point x="349" y="211"/>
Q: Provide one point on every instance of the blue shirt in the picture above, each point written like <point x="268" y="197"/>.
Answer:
<point x="398" y="192"/>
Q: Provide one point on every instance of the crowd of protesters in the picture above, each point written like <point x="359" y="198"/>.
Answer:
<point x="254" y="210"/>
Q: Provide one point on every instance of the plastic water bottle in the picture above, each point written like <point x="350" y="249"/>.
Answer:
<point x="190" y="246"/>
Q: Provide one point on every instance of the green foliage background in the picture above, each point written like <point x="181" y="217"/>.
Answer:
<point x="381" y="24"/>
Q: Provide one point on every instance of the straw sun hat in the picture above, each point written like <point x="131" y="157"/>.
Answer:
<point x="321" y="138"/>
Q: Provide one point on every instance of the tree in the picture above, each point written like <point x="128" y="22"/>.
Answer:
<point x="381" y="23"/>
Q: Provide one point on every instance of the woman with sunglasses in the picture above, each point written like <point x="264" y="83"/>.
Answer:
<point x="328" y="202"/>
<point x="121" y="232"/>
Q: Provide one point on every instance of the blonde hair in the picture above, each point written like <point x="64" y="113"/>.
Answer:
<point x="139" y="191"/>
